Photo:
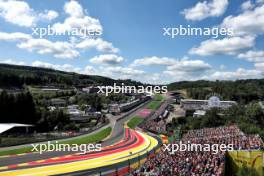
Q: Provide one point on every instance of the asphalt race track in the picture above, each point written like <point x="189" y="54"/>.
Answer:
<point x="133" y="145"/>
<point x="124" y="149"/>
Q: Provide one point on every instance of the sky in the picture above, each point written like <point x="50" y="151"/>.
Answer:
<point x="128" y="39"/>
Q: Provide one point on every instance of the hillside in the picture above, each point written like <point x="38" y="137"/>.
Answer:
<point x="243" y="91"/>
<point x="17" y="76"/>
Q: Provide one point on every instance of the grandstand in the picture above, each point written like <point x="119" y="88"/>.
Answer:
<point x="204" y="163"/>
<point x="192" y="105"/>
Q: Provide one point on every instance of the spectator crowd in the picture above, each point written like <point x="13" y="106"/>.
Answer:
<point x="196" y="163"/>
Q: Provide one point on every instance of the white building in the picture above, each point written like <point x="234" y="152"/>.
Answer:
<point x="190" y="104"/>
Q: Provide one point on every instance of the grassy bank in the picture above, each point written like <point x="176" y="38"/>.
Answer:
<point x="79" y="140"/>
<point x="158" y="97"/>
<point x="154" y="105"/>
<point x="134" y="122"/>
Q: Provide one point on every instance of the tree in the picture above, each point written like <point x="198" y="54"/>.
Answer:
<point x="212" y="118"/>
<point x="254" y="114"/>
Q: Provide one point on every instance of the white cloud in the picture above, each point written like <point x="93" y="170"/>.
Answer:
<point x="154" y="60"/>
<point x="73" y="8"/>
<point x="176" y="70"/>
<point x="17" y="12"/>
<point x="77" y="19"/>
<point x="240" y="73"/>
<point x="57" y="49"/>
<point x="260" y="1"/>
<point x="49" y="15"/>
<point x="186" y="69"/>
<point x="16" y="36"/>
<point x="89" y="70"/>
<point x="260" y="66"/>
<point x="12" y="62"/>
<point x="64" y="67"/>
<point x="223" y="46"/>
<point x="125" y="71"/>
<point x="110" y="59"/>
<point x="250" y="22"/>
<point x="252" y="56"/>
<point x="20" y="13"/>
<point x="206" y="9"/>
<point x="192" y="66"/>
<point x="99" y="44"/>
<point x="79" y="23"/>
<point x="247" y="5"/>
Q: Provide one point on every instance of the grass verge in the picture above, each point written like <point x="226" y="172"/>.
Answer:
<point x="80" y="140"/>
<point x="134" y="122"/>
<point x="154" y="105"/>
<point x="158" y="97"/>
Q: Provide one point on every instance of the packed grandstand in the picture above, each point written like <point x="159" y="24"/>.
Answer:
<point x="199" y="163"/>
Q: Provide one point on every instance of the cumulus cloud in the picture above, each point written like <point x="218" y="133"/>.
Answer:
<point x="125" y="71"/>
<point x="149" y="61"/>
<point x="64" y="67"/>
<point x="109" y="59"/>
<point x="250" y="22"/>
<point x="260" y="1"/>
<point x="252" y="56"/>
<point x="240" y="73"/>
<point x="247" y="5"/>
<point x="77" y="19"/>
<point x="73" y="8"/>
<point x="205" y="9"/>
<point x="21" y="14"/>
<point x="57" y="49"/>
<point x="260" y="66"/>
<point x="49" y="15"/>
<point x="223" y="46"/>
<point x="186" y="69"/>
<point x="16" y="36"/>
<point x="99" y="44"/>
<point x="17" y="12"/>
<point x="12" y="62"/>
<point x="193" y="66"/>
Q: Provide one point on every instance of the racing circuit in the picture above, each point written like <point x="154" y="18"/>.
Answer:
<point x="125" y="149"/>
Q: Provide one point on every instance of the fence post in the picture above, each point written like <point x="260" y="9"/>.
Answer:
<point x="116" y="171"/>
<point x="129" y="166"/>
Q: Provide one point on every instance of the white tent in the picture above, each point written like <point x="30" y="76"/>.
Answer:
<point x="6" y="126"/>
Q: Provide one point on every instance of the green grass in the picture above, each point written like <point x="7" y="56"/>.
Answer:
<point x="81" y="140"/>
<point x="16" y="151"/>
<point x="92" y="138"/>
<point x="134" y="122"/>
<point x="154" y="105"/>
<point x="158" y="97"/>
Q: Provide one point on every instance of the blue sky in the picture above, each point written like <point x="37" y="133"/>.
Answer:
<point x="132" y="44"/>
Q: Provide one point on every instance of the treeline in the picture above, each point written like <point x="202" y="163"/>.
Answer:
<point x="20" y="108"/>
<point x="242" y="91"/>
<point x="17" y="108"/>
<point x="17" y="76"/>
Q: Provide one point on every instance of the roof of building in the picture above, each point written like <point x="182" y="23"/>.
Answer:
<point x="6" y="126"/>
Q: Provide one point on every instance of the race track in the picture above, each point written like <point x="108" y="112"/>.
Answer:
<point x="132" y="146"/>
